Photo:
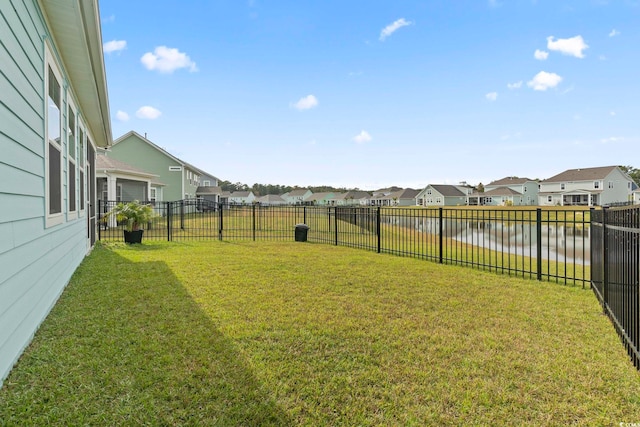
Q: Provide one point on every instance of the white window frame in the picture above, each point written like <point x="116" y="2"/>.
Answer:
<point x="72" y="156"/>
<point x="175" y="168"/>
<point x="82" y="165"/>
<point x="55" y="218"/>
<point x="596" y="184"/>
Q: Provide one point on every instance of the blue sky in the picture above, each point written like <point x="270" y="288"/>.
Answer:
<point x="375" y="93"/>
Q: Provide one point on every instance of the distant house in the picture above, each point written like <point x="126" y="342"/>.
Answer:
<point x="586" y="187"/>
<point x="181" y="179"/>
<point x="350" y="198"/>
<point x="237" y="197"/>
<point x="119" y="181"/>
<point x="402" y="197"/>
<point x="271" y="200"/>
<point x="320" y="199"/>
<point x="443" y="195"/>
<point x="297" y="197"/>
<point x="54" y="114"/>
<point x="209" y="193"/>
<point x="636" y="197"/>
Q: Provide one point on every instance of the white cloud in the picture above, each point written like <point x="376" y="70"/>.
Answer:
<point x="148" y="112"/>
<point x="122" y="116"/>
<point x="362" y="137"/>
<point x="572" y="46"/>
<point x="392" y="28"/>
<point x="516" y="85"/>
<point x="167" y="60"/>
<point x="306" y="103"/>
<point x="614" y="33"/>
<point x="109" y="19"/>
<point x="540" y="55"/>
<point x="492" y="96"/>
<point x="611" y="140"/>
<point x="612" y="113"/>
<point x="114" y="46"/>
<point x="543" y="81"/>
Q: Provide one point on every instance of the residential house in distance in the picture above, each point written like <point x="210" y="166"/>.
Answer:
<point x="237" y="197"/>
<point x="320" y="199"/>
<point x="586" y="187"/>
<point x="271" y="200"/>
<point x="443" y="195"/>
<point x="297" y="197"/>
<point x="119" y="181"/>
<point x="209" y="194"/>
<point x="402" y="197"/>
<point x="350" y="198"/>
<point x="180" y="179"/>
<point x="54" y="114"/>
<point x="509" y="191"/>
<point x="636" y="197"/>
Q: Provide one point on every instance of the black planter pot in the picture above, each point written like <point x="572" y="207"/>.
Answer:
<point x="133" y="236"/>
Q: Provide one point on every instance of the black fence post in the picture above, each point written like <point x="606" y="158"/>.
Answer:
<point x="220" y="219"/>
<point x="605" y="261"/>
<point x="182" y="214"/>
<point x="253" y="220"/>
<point x="440" y="239"/>
<point x="539" y="243"/>
<point x="592" y="261"/>
<point x="169" y="215"/>
<point x="99" y="218"/>
<point x="335" y="223"/>
<point x="304" y="215"/>
<point x="378" y="229"/>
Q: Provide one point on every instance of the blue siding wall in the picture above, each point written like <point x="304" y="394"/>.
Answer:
<point x="36" y="262"/>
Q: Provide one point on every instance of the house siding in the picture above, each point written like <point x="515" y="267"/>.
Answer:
<point x="36" y="261"/>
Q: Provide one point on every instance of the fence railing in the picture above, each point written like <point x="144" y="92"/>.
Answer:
<point x="551" y="245"/>
<point x="615" y="256"/>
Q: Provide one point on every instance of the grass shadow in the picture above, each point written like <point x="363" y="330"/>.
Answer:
<point x="126" y="345"/>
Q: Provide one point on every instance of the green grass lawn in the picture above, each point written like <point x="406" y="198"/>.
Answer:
<point x="268" y="333"/>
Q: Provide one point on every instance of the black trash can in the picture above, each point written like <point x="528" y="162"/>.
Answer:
<point x="301" y="232"/>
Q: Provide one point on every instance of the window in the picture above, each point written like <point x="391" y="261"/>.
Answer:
<point x="596" y="184"/>
<point x="549" y="199"/>
<point x="119" y="193"/>
<point x="53" y="150"/>
<point x="71" y="160"/>
<point x="429" y="192"/>
<point x="610" y="184"/>
<point x="81" y="145"/>
<point x="562" y="186"/>
<point x="175" y="168"/>
<point x="152" y="195"/>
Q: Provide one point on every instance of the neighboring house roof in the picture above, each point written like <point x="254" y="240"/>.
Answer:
<point x="240" y="194"/>
<point x="407" y="193"/>
<point x="584" y="174"/>
<point x="448" y="190"/>
<point x="75" y="25"/>
<point x="502" y="191"/>
<point x="163" y="151"/>
<point x="510" y="180"/>
<point x="106" y="163"/>
<point x="298" y="192"/>
<point x="205" y="190"/>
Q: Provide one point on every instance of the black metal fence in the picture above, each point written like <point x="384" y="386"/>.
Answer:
<point x="615" y="255"/>
<point x="542" y="244"/>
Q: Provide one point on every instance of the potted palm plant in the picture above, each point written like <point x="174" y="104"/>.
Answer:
<point x="134" y="215"/>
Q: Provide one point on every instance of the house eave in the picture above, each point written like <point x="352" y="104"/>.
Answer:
<point x="76" y="33"/>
